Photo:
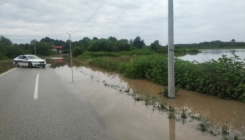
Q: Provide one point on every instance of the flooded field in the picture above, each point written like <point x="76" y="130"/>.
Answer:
<point x="209" y="54"/>
<point x="132" y="114"/>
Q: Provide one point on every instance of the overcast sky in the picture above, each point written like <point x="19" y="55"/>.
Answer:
<point x="194" y="20"/>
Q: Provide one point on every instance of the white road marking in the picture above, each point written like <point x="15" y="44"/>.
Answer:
<point x="7" y="72"/>
<point x="36" y="88"/>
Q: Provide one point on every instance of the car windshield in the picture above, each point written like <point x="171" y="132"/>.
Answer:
<point x="32" y="57"/>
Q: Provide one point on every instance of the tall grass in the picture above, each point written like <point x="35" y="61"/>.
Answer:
<point x="6" y="65"/>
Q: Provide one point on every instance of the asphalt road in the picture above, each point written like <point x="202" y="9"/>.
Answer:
<point x="34" y="104"/>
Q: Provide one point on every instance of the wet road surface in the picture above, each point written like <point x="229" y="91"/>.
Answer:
<point x="96" y="106"/>
<point x="55" y="114"/>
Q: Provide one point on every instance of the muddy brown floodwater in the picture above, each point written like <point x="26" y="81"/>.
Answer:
<point x="128" y="118"/>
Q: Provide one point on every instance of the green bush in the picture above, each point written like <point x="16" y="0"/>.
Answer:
<point x="98" y="54"/>
<point x="224" y="78"/>
<point x="105" y="64"/>
<point x="2" y="56"/>
<point x="137" y="52"/>
<point x="78" y="51"/>
<point x="138" y="68"/>
<point x="152" y="67"/>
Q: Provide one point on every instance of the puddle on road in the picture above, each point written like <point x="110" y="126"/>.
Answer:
<point x="131" y="117"/>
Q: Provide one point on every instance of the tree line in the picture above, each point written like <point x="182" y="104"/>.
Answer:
<point x="213" y="44"/>
<point x="110" y="44"/>
<point x="9" y="50"/>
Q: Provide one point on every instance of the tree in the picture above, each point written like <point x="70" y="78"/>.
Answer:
<point x="25" y="46"/>
<point x="95" y="38"/>
<point x="5" y="41"/>
<point x="138" y="43"/>
<point x="13" y="51"/>
<point x="55" y="42"/>
<point x="47" y="40"/>
<point x="121" y="45"/>
<point x="100" y="45"/>
<point x="84" y="42"/>
<point x="66" y="47"/>
<point x="58" y="42"/>
<point x="112" y="39"/>
<point x="155" y="45"/>
<point x="42" y="48"/>
<point x="233" y="40"/>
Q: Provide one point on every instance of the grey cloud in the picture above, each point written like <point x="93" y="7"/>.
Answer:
<point x="195" y="21"/>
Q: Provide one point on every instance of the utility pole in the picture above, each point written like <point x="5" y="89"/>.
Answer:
<point x="171" y="82"/>
<point x="71" y="56"/>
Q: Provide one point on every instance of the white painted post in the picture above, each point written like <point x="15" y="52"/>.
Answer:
<point x="171" y="82"/>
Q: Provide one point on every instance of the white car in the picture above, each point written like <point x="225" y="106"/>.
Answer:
<point x="29" y="61"/>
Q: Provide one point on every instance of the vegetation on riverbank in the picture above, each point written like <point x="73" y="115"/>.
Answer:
<point x="224" y="78"/>
<point x="217" y="44"/>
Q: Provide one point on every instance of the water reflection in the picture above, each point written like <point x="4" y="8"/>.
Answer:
<point x="172" y="128"/>
<point x="56" y="61"/>
<point x="119" y="101"/>
<point x="183" y="54"/>
<point x="208" y="54"/>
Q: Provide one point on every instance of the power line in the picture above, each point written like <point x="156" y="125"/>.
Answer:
<point x="96" y="11"/>
<point x="102" y="3"/>
<point x="93" y="14"/>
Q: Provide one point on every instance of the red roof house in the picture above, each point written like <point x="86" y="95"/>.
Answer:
<point x="58" y="49"/>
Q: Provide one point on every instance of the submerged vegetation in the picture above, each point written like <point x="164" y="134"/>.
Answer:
<point x="180" y="115"/>
<point x="224" y="78"/>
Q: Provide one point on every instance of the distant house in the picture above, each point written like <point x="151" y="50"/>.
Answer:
<point x="57" y="49"/>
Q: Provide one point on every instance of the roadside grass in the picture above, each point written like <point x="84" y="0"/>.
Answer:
<point x="113" y="64"/>
<point x="5" y="65"/>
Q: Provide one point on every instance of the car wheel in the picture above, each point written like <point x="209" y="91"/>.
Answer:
<point x="30" y="65"/>
<point x="43" y="66"/>
<point x="16" y="64"/>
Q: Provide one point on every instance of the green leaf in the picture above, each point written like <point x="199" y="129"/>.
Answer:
<point x="242" y="97"/>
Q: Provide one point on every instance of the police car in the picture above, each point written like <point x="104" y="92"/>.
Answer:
<point x="29" y="61"/>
